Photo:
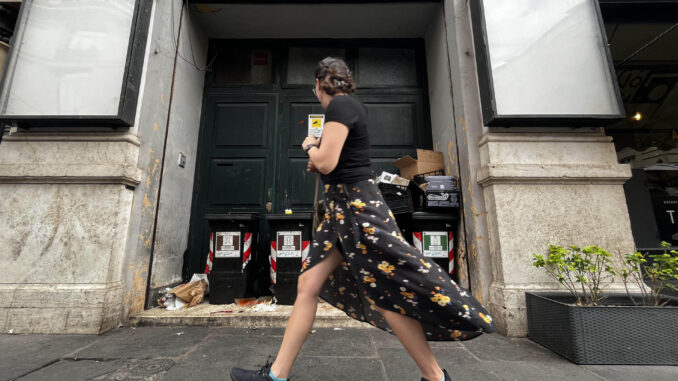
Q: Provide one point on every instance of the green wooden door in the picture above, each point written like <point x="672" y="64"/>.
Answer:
<point x="236" y="165"/>
<point x="254" y="122"/>
<point x="295" y="186"/>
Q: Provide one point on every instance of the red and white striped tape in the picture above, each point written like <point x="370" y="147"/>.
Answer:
<point x="418" y="241"/>
<point x="247" y="250"/>
<point x="273" y="258"/>
<point x="272" y="262"/>
<point x="210" y="255"/>
<point x="450" y="254"/>
<point x="305" y="248"/>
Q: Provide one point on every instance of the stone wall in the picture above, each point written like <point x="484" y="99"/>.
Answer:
<point x="65" y="214"/>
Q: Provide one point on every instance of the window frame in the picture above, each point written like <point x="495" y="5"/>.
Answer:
<point x="129" y="91"/>
<point x="492" y="118"/>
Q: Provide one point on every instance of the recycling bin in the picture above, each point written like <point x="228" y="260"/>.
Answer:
<point x="233" y="243"/>
<point x="290" y="237"/>
<point x="432" y="234"/>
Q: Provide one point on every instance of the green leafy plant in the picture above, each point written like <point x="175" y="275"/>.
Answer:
<point x="659" y="271"/>
<point x="583" y="271"/>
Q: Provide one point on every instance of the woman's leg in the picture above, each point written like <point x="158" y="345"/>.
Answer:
<point x="303" y="313"/>
<point x="412" y="336"/>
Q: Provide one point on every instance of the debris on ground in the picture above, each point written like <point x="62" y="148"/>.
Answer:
<point x="185" y="295"/>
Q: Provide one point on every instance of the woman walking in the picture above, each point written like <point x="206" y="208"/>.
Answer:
<point x="359" y="261"/>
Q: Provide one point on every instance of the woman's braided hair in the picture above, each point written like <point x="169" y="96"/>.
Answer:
<point x="334" y="76"/>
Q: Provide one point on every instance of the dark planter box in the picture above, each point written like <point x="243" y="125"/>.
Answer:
<point x="615" y="333"/>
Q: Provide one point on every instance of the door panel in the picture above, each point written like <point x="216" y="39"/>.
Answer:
<point x="236" y="164"/>
<point x="293" y="179"/>
<point x="240" y="124"/>
<point x="238" y="183"/>
<point x="391" y="124"/>
<point x="241" y="153"/>
<point x="396" y="126"/>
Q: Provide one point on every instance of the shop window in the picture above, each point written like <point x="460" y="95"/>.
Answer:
<point x="643" y="45"/>
<point x="75" y="63"/>
<point x="236" y="65"/>
<point x="544" y="62"/>
<point x="8" y="13"/>
<point x="303" y="60"/>
<point x="387" y="67"/>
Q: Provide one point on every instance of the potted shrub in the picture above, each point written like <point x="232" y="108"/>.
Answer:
<point x="589" y="326"/>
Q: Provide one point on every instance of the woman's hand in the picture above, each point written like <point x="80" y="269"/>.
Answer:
<point x="310" y="140"/>
<point x="311" y="168"/>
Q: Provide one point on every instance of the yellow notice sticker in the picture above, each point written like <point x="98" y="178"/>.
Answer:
<point x="315" y="124"/>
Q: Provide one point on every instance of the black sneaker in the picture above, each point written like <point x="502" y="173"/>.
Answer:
<point x="239" y="374"/>
<point x="447" y="376"/>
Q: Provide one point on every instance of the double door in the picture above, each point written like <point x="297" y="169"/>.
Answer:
<point x="251" y="161"/>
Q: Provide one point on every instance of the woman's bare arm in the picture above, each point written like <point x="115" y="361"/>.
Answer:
<point x="326" y="157"/>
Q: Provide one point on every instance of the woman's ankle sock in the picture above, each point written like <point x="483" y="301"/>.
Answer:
<point x="270" y="374"/>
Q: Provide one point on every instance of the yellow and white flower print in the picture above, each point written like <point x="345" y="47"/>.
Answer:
<point x="362" y="247"/>
<point x="386" y="267"/>
<point x="358" y="204"/>
<point x="486" y="318"/>
<point x="369" y="229"/>
<point x="441" y="299"/>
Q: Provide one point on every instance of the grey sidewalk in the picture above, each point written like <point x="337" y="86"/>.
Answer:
<point x="208" y="353"/>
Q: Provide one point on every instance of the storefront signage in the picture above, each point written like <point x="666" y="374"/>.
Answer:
<point x="289" y="244"/>
<point x="435" y="244"/>
<point x="666" y="215"/>
<point x="227" y="245"/>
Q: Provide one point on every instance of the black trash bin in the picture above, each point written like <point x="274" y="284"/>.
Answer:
<point x="234" y="242"/>
<point x="432" y="234"/>
<point x="290" y="236"/>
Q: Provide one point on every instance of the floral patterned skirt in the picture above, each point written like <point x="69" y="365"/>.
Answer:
<point x="381" y="268"/>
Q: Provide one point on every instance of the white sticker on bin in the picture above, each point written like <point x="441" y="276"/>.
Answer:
<point x="289" y="244"/>
<point x="227" y="245"/>
<point x="435" y="244"/>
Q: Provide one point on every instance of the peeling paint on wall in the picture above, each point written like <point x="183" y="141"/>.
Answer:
<point x="136" y="296"/>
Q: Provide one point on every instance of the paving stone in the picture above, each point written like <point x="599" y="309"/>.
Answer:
<point x="345" y="342"/>
<point x="75" y="370"/>
<point x="209" y="353"/>
<point x="337" y="368"/>
<point x="214" y="358"/>
<point x="145" y="343"/>
<point x="635" y="372"/>
<point x="23" y="353"/>
<point x="486" y="347"/>
<point x="400" y="366"/>
<point x="269" y="332"/>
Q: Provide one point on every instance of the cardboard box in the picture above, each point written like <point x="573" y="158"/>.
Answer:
<point x="426" y="161"/>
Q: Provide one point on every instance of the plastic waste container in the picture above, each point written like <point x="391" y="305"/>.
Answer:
<point x="234" y="246"/>
<point x="290" y="236"/>
<point x="432" y="234"/>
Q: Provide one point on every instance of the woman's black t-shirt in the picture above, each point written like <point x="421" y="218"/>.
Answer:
<point x="354" y="161"/>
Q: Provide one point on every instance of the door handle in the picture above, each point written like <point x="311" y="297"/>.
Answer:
<point x="269" y="206"/>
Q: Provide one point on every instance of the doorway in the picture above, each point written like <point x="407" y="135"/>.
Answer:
<point x="255" y="107"/>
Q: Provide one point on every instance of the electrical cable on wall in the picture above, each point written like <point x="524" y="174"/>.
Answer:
<point x="207" y="67"/>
